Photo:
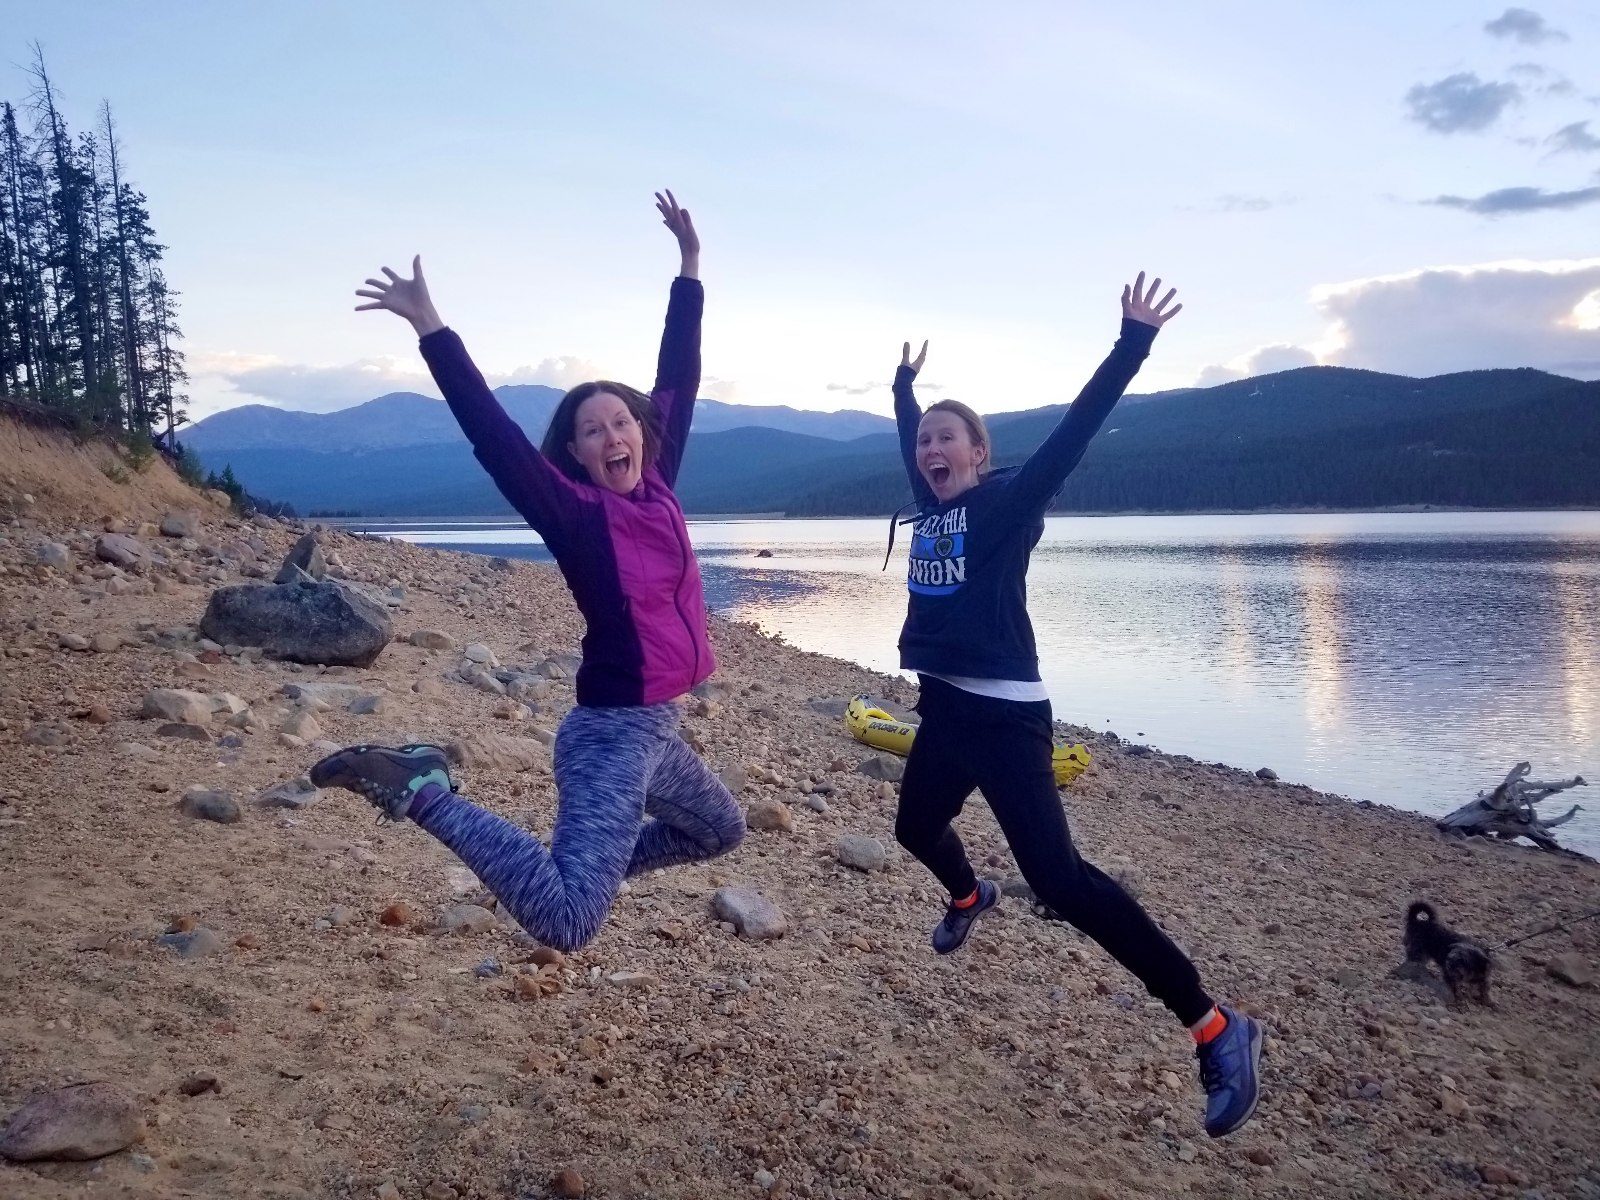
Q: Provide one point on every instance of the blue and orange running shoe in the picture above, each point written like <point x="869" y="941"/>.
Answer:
<point x="951" y="932"/>
<point x="1229" y="1070"/>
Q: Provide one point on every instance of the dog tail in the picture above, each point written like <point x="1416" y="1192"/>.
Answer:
<point x="1421" y="911"/>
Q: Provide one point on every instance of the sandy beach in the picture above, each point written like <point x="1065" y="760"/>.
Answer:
<point x="340" y="1039"/>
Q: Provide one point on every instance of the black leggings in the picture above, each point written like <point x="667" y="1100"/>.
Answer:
<point x="1003" y="748"/>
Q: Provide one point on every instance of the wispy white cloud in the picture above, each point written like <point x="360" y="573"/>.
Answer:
<point x="882" y="389"/>
<point x="726" y="390"/>
<point x="1264" y="360"/>
<point x="227" y="379"/>
<point x="261" y="379"/>
<point x="1234" y="202"/>
<point x="565" y="372"/>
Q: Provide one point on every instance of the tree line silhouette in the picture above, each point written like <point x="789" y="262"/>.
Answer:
<point x="88" y="320"/>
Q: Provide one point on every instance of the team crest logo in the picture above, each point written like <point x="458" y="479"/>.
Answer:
<point x="938" y="563"/>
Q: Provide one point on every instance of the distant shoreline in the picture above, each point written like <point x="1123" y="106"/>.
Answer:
<point x="513" y="518"/>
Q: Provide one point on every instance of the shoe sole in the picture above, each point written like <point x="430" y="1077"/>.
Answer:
<point x="973" y="924"/>
<point x="1256" y="1039"/>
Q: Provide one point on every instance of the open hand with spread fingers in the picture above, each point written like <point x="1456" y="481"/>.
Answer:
<point x="677" y="219"/>
<point x="914" y="363"/>
<point x="404" y="297"/>
<point x="1140" y="303"/>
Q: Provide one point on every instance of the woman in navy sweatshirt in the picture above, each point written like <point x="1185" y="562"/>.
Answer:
<point x="986" y="719"/>
<point x="632" y="794"/>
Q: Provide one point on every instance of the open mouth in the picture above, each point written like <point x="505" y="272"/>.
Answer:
<point x="617" y="466"/>
<point x="938" y="474"/>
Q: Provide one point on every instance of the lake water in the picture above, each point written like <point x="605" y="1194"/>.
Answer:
<point x="1404" y="658"/>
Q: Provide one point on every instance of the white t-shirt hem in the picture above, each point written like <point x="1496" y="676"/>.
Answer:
<point x="1027" y="690"/>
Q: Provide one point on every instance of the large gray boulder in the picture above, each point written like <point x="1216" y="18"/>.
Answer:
<point x="324" y="622"/>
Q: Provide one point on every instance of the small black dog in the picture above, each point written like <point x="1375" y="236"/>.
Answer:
<point x="1463" y="962"/>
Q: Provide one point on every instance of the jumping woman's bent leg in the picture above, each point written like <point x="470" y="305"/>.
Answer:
<point x="1014" y="774"/>
<point x="1016" y="780"/>
<point x="692" y="815"/>
<point x="603" y="757"/>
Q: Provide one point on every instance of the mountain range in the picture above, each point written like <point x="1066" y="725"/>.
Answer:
<point x="1315" y="437"/>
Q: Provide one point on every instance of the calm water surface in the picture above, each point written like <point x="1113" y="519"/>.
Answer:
<point x="1406" y="658"/>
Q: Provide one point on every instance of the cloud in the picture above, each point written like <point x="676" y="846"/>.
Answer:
<point x="1213" y="375"/>
<point x="1519" y="200"/>
<point x="265" y="379"/>
<point x="1525" y="26"/>
<point x="1551" y="83"/>
<point x="1441" y="320"/>
<point x="1233" y="202"/>
<point x="1265" y="360"/>
<point x="227" y="378"/>
<point x="564" y="373"/>
<point x="1460" y="102"/>
<point x="866" y="389"/>
<point x="1438" y="320"/>
<point x="1575" y="138"/>
<point x="726" y="390"/>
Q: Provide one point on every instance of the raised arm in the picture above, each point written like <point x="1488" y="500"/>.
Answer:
<point x="678" y="367"/>
<point x="525" y="477"/>
<point x="1040" y="478"/>
<point x="907" y="416"/>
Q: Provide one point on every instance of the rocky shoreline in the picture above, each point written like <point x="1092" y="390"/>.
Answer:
<point x="294" y="1001"/>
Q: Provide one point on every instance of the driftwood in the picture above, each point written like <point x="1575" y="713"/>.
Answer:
<point x="1508" y="811"/>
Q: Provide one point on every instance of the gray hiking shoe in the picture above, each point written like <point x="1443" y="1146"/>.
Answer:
<point x="389" y="777"/>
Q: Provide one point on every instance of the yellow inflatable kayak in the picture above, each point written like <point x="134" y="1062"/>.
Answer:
<point x="873" y="727"/>
<point x="877" y="728"/>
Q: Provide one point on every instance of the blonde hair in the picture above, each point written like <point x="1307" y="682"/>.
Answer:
<point x="976" y="429"/>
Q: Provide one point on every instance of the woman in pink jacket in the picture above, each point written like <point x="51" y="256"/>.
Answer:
<point x="632" y="795"/>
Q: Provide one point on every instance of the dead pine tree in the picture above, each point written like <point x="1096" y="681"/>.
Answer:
<point x="1509" y="810"/>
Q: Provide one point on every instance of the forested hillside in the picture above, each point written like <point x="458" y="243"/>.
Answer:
<point x="1309" y="438"/>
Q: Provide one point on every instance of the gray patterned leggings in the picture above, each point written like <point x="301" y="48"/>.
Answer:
<point x="632" y="797"/>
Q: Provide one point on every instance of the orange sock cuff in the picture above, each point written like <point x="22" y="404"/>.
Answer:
<point x="1209" y="1027"/>
<point x="968" y="902"/>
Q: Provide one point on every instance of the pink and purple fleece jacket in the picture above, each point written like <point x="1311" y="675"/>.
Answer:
<point x="626" y="558"/>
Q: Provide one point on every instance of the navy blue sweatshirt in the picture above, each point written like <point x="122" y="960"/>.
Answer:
<point x="968" y="613"/>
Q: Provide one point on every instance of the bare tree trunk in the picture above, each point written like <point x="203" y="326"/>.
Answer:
<point x="133" y="370"/>
<point x="1508" y="811"/>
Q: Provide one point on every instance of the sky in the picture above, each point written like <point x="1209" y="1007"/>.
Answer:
<point x="1411" y="188"/>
